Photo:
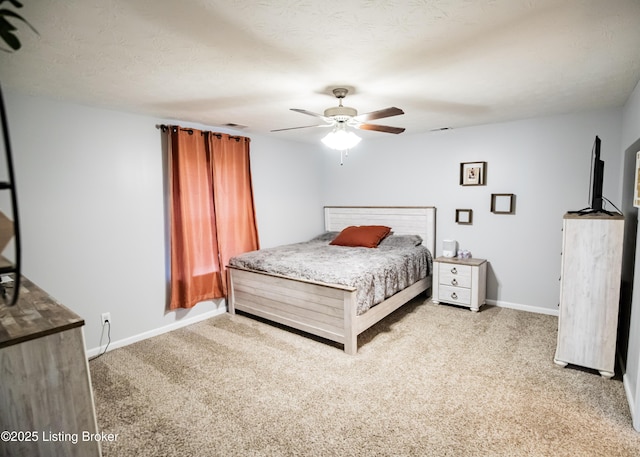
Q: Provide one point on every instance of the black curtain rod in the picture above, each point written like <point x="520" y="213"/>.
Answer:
<point x="165" y="127"/>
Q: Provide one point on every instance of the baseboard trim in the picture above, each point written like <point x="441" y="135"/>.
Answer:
<point x="222" y="309"/>
<point x="631" y="401"/>
<point x="157" y="331"/>
<point x="520" y="307"/>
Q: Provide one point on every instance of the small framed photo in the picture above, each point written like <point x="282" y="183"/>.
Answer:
<point x="464" y="216"/>
<point x="503" y="203"/>
<point x="473" y="173"/>
<point x="636" y="189"/>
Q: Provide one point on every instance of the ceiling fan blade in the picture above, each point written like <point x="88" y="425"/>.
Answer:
<point x="381" y="128"/>
<point x="310" y="113"/>
<point x="295" y="128"/>
<point x="387" y="112"/>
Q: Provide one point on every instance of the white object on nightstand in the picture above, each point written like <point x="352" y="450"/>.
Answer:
<point x="460" y="282"/>
<point x="449" y="248"/>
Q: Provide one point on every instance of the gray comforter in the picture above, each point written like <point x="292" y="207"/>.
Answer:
<point x="376" y="273"/>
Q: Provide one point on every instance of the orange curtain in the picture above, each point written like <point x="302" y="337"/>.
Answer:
<point x="211" y="211"/>
<point x="233" y="196"/>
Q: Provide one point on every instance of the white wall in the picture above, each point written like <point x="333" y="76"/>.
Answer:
<point x="631" y="136"/>
<point x="545" y="162"/>
<point x="91" y="197"/>
<point x="287" y="182"/>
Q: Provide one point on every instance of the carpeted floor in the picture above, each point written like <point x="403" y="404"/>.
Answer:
<point x="427" y="381"/>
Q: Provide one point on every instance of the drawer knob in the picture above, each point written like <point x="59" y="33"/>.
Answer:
<point x="454" y="271"/>
<point x="454" y="295"/>
<point x="454" y="282"/>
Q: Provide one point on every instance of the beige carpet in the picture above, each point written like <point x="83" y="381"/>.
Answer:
<point x="427" y="381"/>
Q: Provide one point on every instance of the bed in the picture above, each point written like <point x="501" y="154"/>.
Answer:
<point x="325" y="309"/>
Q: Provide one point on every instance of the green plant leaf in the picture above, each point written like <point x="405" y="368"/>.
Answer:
<point x="10" y="39"/>
<point x="6" y="25"/>
<point x="8" y="13"/>
<point x="7" y="29"/>
<point x="15" y="3"/>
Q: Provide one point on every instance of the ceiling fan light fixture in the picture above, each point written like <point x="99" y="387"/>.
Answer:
<point x="341" y="140"/>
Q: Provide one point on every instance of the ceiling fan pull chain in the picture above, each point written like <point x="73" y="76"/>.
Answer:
<point x="343" y="153"/>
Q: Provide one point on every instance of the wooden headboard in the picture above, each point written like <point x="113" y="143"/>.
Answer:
<point x="403" y="220"/>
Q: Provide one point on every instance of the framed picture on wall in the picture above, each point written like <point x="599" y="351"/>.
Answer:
<point x="464" y="216"/>
<point x="636" y="188"/>
<point x="503" y="203"/>
<point x="473" y="173"/>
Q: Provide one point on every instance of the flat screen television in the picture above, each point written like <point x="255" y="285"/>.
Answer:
<point x="597" y="178"/>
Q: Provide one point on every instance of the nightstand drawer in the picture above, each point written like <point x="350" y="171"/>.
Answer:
<point x="454" y="275"/>
<point x="457" y="295"/>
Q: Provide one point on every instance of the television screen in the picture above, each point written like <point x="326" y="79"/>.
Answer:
<point x="597" y="177"/>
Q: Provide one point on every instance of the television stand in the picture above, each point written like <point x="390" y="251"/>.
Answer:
<point x="585" y="211"/>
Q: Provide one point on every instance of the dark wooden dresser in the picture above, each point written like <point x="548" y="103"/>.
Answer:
<point x="46" y="401"/>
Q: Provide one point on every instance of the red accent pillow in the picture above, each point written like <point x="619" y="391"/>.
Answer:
<point x="367" y="236"/>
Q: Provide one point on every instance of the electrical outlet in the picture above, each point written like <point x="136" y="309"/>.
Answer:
<point x="106" y="317"/>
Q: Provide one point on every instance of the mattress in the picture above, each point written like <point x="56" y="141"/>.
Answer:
<point x="377" y="273"/>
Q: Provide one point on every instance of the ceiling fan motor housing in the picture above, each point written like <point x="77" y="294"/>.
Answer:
<point x="341" y="113"/>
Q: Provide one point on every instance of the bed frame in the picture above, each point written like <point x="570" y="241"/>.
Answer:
<point x="329" y="310"/>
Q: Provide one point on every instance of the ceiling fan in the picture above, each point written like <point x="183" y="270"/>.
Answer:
<point x="342" y="116"/>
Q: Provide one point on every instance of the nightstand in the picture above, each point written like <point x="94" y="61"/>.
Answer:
<point x="460" y="282"/>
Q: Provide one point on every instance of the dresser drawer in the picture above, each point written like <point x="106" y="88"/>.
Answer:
<point x="454" y="275"/>
<point x="456" y="295"/>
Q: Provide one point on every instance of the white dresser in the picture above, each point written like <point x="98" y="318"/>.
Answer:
<point x="460" y="282"/>
<point x="590" y="291"/>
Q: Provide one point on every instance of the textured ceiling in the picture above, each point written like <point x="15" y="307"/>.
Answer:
<point x="446" y="63"/>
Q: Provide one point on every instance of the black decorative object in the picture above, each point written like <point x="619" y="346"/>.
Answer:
<point x="7" y="268"/>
